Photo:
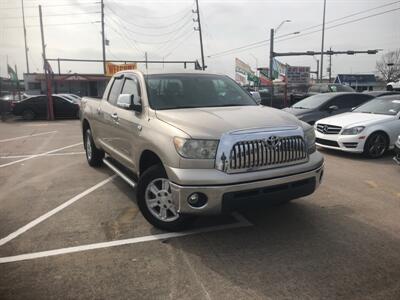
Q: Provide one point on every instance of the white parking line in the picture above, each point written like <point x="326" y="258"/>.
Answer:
<point x="26" y="136"/>
<point x="38" y="155"/>
<point x="47" y="215"/>
<point x="51" y="154"/>
<point x="242" y="222"/>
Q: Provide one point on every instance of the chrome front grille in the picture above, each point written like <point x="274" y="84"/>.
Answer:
<point x="261" y="153"/>
<point x="328" y="129"/>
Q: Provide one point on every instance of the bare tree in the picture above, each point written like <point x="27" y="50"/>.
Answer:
<point x="389" y="65"/>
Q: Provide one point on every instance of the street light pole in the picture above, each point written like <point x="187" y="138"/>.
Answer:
<point x="322" y="43"/>
<point x="271" y="62"/>
<point x="26" y="45"/>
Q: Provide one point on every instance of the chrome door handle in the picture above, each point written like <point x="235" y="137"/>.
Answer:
<point x="99" y="110"/>
<point x="114" y="116"/>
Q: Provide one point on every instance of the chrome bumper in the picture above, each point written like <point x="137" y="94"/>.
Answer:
<point x="215" y="194"/>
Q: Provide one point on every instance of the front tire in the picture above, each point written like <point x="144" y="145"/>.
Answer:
<point x="389" y="88"/>
<point x="376" y="145"/>
<point x="94" y="155"/>
<point x="155" y="201"/>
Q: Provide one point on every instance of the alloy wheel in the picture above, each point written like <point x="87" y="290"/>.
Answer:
<point x="158" y="199"/>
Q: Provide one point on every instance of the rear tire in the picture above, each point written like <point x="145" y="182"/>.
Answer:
<point x="155" y="201"/>
<point x="94" y="155"/>
<point x="28" y="115"/>
<point x="376" y="145"/>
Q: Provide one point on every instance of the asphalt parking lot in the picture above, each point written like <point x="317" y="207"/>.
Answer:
<point x="70" y="231"/>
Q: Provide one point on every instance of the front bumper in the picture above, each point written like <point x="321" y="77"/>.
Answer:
<point x="347" y="143"/>
<point x="223" y="197"/>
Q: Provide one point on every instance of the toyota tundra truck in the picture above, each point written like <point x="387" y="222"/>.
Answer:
<point x="194" y="143"/>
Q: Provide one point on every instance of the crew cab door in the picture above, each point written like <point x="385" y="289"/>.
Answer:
<point x="129" y="124"/>
<point x="106" y="117"/>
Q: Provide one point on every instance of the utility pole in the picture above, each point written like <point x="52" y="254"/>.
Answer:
<point x="317" y="70"/>
<point x="322" y="43"/>
<point x="330" y="65"/>
<point x="145" y="56"/>
<point x="271" y="63"/>
<point x="50" y="110"/>
<point x="200" y="34"/>
<point x="17" y="83"/>
<point x="103" y="43"/>
<point x="26" y="46"/>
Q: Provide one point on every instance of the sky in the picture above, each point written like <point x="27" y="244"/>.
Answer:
<point x="165" y="30"/>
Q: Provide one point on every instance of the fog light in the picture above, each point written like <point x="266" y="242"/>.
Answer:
<point x="197" y="200"/>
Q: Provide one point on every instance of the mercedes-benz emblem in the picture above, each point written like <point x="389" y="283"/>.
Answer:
<point x="325" y="129"/>
<point x="273" y="141"/>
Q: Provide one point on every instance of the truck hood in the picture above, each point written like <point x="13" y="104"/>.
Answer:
<point x="351" y="119"/>
<point x="212" y="122"/>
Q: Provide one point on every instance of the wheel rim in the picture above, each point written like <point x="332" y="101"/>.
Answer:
<point x="88" y="147"/>
<point x="378" y="146"/>
<point x="158" y="198"/>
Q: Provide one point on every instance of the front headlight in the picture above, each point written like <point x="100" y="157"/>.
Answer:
<point x="309" y="136"/>
<point x="197" y="149"/>
<point x="353" y="130"/>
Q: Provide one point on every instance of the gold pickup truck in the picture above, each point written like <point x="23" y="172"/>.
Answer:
<point x="195" y="143"/>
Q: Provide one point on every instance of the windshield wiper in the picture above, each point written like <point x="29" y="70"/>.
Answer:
<point x="300" y="107"/>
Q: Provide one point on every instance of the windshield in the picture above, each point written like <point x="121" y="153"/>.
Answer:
<point x="312" y="101"/>
<point x="171" y="91"/>
<point x="380" y="106"/>
<point x="340" y="88"/>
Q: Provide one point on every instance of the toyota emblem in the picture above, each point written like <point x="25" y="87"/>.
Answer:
<point x="273" y="141"/>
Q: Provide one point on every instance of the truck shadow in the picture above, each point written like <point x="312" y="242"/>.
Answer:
<point x="298" y="249"/>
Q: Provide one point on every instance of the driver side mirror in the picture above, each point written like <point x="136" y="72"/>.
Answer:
<point x="130" y="102"/>
<point x="332" y="108"/>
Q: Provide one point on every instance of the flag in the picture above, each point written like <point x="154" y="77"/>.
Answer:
<point x="12" y="73"/>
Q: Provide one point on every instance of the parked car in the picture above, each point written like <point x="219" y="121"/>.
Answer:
<point x="371" y="128"/>
<point x="397" y="151"/>
<point x="320" y="88"/>
<point x="381" y="93"/>
<point x="314" y="108"/>
<point x="73" y="97"/>
<point x="198" y="144"/>
<point x="35" y="107"/>
<point x="256" y="96"/>
<point x="393" y="86"/>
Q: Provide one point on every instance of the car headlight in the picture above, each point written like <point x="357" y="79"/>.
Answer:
<point x="196" y="149"/>
<point x="353" y="130"/>
<point x="309" y="136"/>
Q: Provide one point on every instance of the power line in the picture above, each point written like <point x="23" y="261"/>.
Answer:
<point x="55" y="15"/>
<point x="263" y="42"/>
<point x="150" y="26"/>
<point x="154" y="17"/>
<point x="341" y="24"/>
<point x="52" y="5"/>
<point x="176" y="46"/>
<point x="55" y="24"/>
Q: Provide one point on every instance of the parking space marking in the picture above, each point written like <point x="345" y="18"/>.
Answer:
<point x="38" y="155"/>
<point x="26" y="136"/>
<point x="50" y="154"/>
<point x="241" y="222"/>
<point x="47" y="215"/>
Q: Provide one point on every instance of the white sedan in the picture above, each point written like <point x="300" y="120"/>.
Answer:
<point x="371" y="128"/>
